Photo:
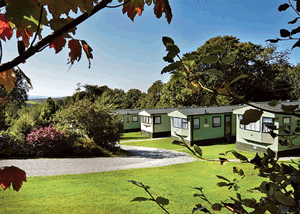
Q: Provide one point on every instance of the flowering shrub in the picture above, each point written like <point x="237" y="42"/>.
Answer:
<point x="47" y="141"/>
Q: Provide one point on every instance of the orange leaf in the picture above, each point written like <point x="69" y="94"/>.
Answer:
<point x="8" y="79"/>
<point x="58" y="44"/>
<point x="26" y="34"/>
<point x="224" y="89"/>
<point x="163" y="6"/>
<point x="88" y="51"/>
<point x="133" y="7"/>
<point x="13" y="175"/>
<point x="5" y="29"/>
<point x="75" y="51"/>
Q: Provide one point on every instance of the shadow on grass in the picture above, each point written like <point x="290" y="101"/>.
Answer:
<point x="134" y="138"/>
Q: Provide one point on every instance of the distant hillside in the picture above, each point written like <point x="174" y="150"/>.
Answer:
<point x="41" y="100"/>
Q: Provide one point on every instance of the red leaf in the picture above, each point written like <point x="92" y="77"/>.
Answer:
<point x="133" y="7"/>
<point x="75" y="51"/>
<point x="88" y="51"/>
<point x="26" y="34"/>
<point x="5" y="29"/>
<point x="163" y="6"/>
<point x="58" y="44"/>
<point x="13" y="175"/>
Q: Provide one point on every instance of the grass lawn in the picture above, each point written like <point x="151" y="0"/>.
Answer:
<point x="133" y="136"/>
<point x="209" y="152"/>
<point x="109" y="192"/>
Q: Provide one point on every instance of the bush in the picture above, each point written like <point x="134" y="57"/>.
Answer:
<point x="47" y="142"/>
<point x="93" y="121"/>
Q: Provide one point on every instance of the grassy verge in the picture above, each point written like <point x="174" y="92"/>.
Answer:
<point x="133" y="136"/>
<point x="109" y="192"/>
<point x="209" y="152"/>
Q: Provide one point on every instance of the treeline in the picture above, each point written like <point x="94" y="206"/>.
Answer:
<point x="270" y="76"/>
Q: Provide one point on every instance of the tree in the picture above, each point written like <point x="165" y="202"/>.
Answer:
<point x="260" y="64"/>
<point x="131" y="98"/>
<point x="49" y="108"/>
<point x="154" y="94"/>
<point x="28" y="17"/>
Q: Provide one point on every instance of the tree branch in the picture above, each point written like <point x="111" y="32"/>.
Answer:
<point x="35" y="48"/>
<point x="38" y="27"/>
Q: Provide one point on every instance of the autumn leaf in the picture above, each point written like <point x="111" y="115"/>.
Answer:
<point x="133" y="7"/>
<point x="251" y="116"/>
<point x="88" y="51"/>
<point x="75" y="51"/>
<point x="25" y="34"/>
<point x="5" y="29"/>
<point x="194" y="87"/>
<point x="273" y="103"/>
<point x="13" y="175"/>
<point x="163" y="6"/>
<point x="224" y="89"/>
<point x="289" y="108"/>
<point x="58" y="44"/>
<point x="8" y="79"/>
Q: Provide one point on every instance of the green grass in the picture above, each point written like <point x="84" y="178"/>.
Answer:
<point x="133" y="136"/>
<point x="209" y="152"/>
<point x="109" y="192"/>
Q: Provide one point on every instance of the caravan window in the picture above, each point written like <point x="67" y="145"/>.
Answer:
<point x="253" y="126"/>
<point x="196" y="123"/>
<point x="287" y="122"/>
<point x="134" y="118"/>
<point x="240" y="118"/>
<point x="268" y="121"/>
<point x="216" y="121"/>
<point x="157" y="120"/>
<point x="184" y="123"/>
<point x="177" y="122"/>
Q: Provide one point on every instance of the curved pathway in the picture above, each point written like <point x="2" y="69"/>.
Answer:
<point x="142" y="157"/>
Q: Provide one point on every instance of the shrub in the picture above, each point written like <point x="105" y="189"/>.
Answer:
<point x="47" y="141"/>
<point x="91" y="120"/>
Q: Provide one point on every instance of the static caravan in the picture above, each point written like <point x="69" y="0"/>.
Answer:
<point x="255" y="137"/>
<point x="204" y="125"/>
<point x="155" y="122"/>
<point x="131" y="119"/>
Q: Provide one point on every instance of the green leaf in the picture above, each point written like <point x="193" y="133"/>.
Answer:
<point x="173" y="48"/>
<point x="179" y="74"/>
<point x="218" y="49"/>
<point x="293" y="21"/>
<point x="239" y="156"/>
<point x="171" y="67"/>
<point x="139" y="199"/>
<point x="222" y="184"/>
<point x="228" y="60"/>
<point x="295" y="31"/>
<point x="271" y="154"/>
<point x="284" y="33"/>
<point x="214" y="71"/>
<point x="198" y="150"/>
<point x="216" y="206"/>
<point x="168" y="59"/>
<point x="167" y="41"/>
<point x="283" y="199"/>
<point x="210" y="59"/>
<point x="251" y="116"/>
<point x="297" y="44"/>
<point x="162" y="201"/>
<point x="283" y="7"/>
<point x="171" y="55"/>
<point x="238" y="78"/>
<point x="221" y="177"/>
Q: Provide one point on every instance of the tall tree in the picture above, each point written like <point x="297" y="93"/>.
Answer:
<point x="154" y="94"/>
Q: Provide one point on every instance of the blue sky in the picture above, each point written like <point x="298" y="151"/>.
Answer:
<point x="129" y="54"/>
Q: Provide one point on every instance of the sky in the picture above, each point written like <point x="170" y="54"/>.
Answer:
<point x="129" y="54"/>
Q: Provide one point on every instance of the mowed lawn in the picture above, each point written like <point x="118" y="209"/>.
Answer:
<point x="209" y="152"/>
<point x="109" y="192"/>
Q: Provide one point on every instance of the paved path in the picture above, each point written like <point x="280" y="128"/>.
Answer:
<point x="142" y="157"/>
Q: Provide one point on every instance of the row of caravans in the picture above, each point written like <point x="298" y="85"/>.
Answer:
<point x="213" y="125"/>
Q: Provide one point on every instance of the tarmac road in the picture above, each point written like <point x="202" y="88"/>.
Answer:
<point x="142" y="157"/>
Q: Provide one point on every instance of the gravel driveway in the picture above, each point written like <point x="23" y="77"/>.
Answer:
<point x="142" y="157"/>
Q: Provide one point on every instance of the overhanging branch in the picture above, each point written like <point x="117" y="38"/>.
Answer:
<point x="45" y="41"/>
